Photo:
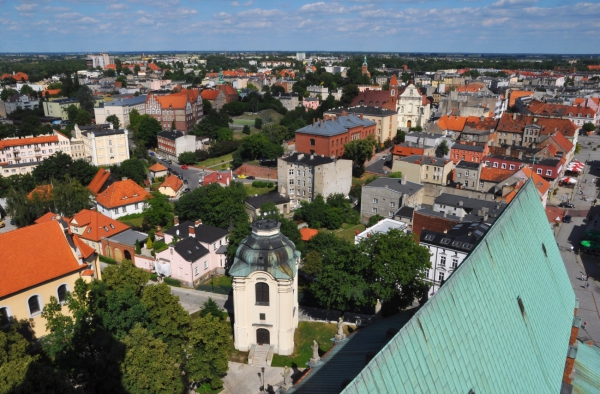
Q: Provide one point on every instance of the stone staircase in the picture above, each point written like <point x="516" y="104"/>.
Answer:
<point x="260" y="355"/>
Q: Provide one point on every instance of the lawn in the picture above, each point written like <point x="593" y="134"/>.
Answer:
<point x="348" y="233"/>
<point x="214" y="161"/>
<point x="363" y="179"/>
<point x="244" y="122"/>
<point x="220" y="284"/>
<point x="267" y="114"/>
<point x="303" y="340"/>
<point x="251" y="190"/>
<point x="133" y="220"/>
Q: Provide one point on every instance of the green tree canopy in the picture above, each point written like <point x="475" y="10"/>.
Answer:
<point x="359" y="151"/>
<point x="442" y="149"/>
<point x="147" y="132"/>
<point x="85" y="97"/>
<point x="187" y="158"/>
<point x="133" y="169"/>
<point x="158" y="210"/>
<point x="114" y="119"/>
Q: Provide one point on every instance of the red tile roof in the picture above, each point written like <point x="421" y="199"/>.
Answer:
<point x="561" y="142"/>
<point x="173" y="182"/>
<point x="471" y="88"/>
<point x="96" y="225"/>
<point x="51" y="92"/>
<point x="177" y="100"/>
<point x="111" y="66"/>
<point x="154" y="67"/>
<point x="17" y="76"/>
<point x="495" y="174"/>
<point x="85" y="249"/>
<point x="308" y="233"/>
<point x="157" y="167"/>
<point x="515" y="94"/>
<point x="223" y="178"/>
<point x="33" y="255"/>
<point x="210" y="94"/>
<point x="122" y="193"/>
<point x="540" y="183"/>
<point x="393" y="80"/>
<point x="42" y="193"/>
<point x="548" y="125"/>
<point x="28" y="141"/>
<point x="454" y="123"/>
<point x="475" y="122"/>
<point x="405" y="151"/>
<point x="98" y="181"/>
<point x="48" y="216"/>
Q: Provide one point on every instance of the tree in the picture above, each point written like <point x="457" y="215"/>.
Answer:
<point x="148" y="366"/>
<point x="9" y="131"/>
<point x="359" y="151"/>
<point x="258" y="123"/>
<point x="246" y="130"/>
<point x="442" y="149"/>
<point x="110" y="73"/>
<point x="118" y="66"/>
<point x="83" y="118"/>
<point x="134" y="120"/>
<point x="147" y="132"/>
<point x="158" y="210"/>
<point x="82" y="170"/>
<point x="114" y="120"/>
<point x="168" y="320"/>
<point x="276" y="133"/>
<point x="131" y="169"/>
<point x="208" y="351"/>
<point x="395" y="174"/>
<point x="70" y="197"/>
<point x="348" y="94"/>
<point x="577" y="148"/>
<point x="136" y="69"/>
<point x="123" y="80"/>
<point x="85" y="97"/>
<point x="125" y="275"/>
<point x="224" y="134"/>
<point x="312" y="264"/>
<point x="210" y="307"/>
<point x="72" y="111"/>
<point x="7" y="93"/>
<point x="55" y="167"/>
<point x="400" y="137"/>
<point x="373" y="220"/>
<point x="187" y="158"/>
<point x="588" y="127"/>
<point x="258" y="146"/>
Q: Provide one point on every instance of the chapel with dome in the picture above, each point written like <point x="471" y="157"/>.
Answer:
<point x="265" y="289"/>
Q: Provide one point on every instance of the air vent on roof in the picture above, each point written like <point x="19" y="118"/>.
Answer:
<point x="89" y="229"/>
<point x="189" y="252"/>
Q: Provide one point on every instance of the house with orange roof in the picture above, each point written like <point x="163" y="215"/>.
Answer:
<point x="222" y="178"/>
<point x="448" y="125"/>
<point x="473" y="87"/>
<point x="51" y="93"/>
<point x="182" y="109"/>
<point x="308" y="233"/>
<point x="154" y="67"/>
<point x="172" y="186"/>
<point x="479" y="129"/>
<point x="406" y="149"/>
<point x="230" y="93"/>
<point x="19" y="76"/>
<point x="41" y="261"/>
<point x="215" y="97"/>
<point x="92" y="226"/>
<point x="531" y="130"/>
<point x="122" y="198"/>
<point x="101" y="181"/>
<point x="157" y="170"/>
<point x="585" y="112"/>
<point x="470" y="151"/>
<point x="490" y="177"/>
<point x="559" y="146"/>
<point x="513" y="95"/>
<point x="513" y="184"/>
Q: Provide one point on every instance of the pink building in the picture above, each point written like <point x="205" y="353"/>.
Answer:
<point x="195" y="251"/>
<point x="310" y="103"/>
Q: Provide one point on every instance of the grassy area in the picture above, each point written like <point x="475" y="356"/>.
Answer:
<point x="350" y="232"/>
<point x="251" y="190"/>
<point x="133" y="220"/>
<point x="303" y="340"/>
<point x="363" y="179"/>
<point x="220" y="284"/>
<point x="244" y="122"/>
<point x="215" y="161"/>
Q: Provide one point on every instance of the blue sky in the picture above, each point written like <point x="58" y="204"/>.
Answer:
<point x="536" y="26"/>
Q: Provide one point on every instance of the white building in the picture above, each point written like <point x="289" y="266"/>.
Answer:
<point x="172" y="143"/>
<point x="265" y="290"/>
<point x="449" y="249"/>
<point x="20" y="101"/>
<point x="22" y="155"/>
<point x="121" y="108"/>
<point x="316" y="90"/>
<point x="300" y="56"/>
<point x="413" y="108"/>
<point x="102" y="145"/>
<point x="102" y="60"/>
<point x="383" y="226"/>
<point x="121" y="198"/>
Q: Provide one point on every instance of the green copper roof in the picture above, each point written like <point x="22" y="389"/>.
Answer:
<point x="586" y="372"/>
<point x="500" y="324"/>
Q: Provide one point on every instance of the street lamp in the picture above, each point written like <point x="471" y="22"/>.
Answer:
<point x="262" y="376"/>
<point x="212" y="286"/>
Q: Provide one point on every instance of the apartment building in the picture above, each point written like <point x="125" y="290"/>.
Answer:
<point x="102" y="146"/>
<point x="22" y="155"/>
<point x="302" y="177"/>
<point x="386" y="121"/>
<point x="57" y="107"/>
<point x="121" y="108"/>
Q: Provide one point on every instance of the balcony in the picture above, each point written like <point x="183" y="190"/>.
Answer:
<point x="37" y="148"/>
<point x="38" y="154"/>
<point x="16" y="151"/>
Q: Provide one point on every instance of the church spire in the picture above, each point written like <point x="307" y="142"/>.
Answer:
<point x="365" y="61"/>
<point x="221" y="79"/>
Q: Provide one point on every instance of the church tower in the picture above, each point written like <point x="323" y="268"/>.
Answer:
<point x="393" y="89"/>
<point x="365" y="68"/>
<point x="265" y="289"/>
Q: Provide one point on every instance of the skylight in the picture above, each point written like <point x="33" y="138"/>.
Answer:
<point x="468" y="246"/>
<point x="429" y="237"/>
<point x="445" y="241"/>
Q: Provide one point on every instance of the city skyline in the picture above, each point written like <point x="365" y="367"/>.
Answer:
<point x="502" y="26"/>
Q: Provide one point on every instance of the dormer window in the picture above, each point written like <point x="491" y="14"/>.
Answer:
<point x="105" y="228"/>
<point x="89" y="230"/>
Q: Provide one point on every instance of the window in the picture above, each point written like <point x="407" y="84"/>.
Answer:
<point x="392" y="205"/>
<point x="292" y="190"/>
<point x="512" y="167"/>
<point x="109" y="142"/>
<point x="466" y="173"/>
<point x="487" y="163"/>
<point x="291" y="181"/>
<point x="454" y="263"/>
<point x="262" y="294"/>
<point x="539" y="171"/>
<point x="309" y="180"/>
<point x="123" y="209"/>
<point x="206" y="265"/>
<point x="375" y="201"/>
<point x="443" y="261"/>
<point x="310" y="189"/>
<point x="503" y="166"/>
<point x="61" y="292"/>
<point x="374" y="210"/>
<point x="4" y="316"/>
<point x="196" y="271"/>
<point x="548" y="172"/>
<point x="459" y="174"/>
<point x="215" y="246"/>
<point x="312" y="142"/>
<point x="262" y="316"/>
<point x="291" y="171"/>
<point x="34" y="304"/>
<point x="495" y="165"/>
<point x="391" y="213"/>
<point x="441" y="276"/>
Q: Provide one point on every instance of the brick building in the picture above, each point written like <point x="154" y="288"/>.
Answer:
<point x="327" y="137"/>
<point x="183" y="109"/>
<point x="468" y="152"/>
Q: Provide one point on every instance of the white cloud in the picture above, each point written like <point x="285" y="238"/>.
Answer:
<point x="323" y="8"/>
<point x="87" y="19"/>
<point x="144" y="21"/>
<point x="259" y="13"/>
<point x="56" y="9"/>
<point x="513" y="3"/>
<point x="117" y="7"/>
<point x="26" y="7"/>
<point x="69" y="15"/>
<point x="494" y="21"/>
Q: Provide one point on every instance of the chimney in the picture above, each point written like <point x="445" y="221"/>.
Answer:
<point x="508" y="151"/>
<point x="481" y="118"/>
<point x="520" y="155"/>
<point x="192" y="231"/>
<point x="176" y="220"/>
<point x="361" y="116"/>
<point x="514" y="116"/>
<point x="198" y="222"/>
<point x="312" y="156"/>
<point x="409" y="144"/>
<point x="313" y="121"/>
<point x="460" y="203"/>
<point x="124" y="178"/>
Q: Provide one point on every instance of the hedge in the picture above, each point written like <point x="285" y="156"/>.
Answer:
<point x="153" y="277"/>
<point x="172" y="282"/>
<point x="107" y="260"/>
<point x="259" y="184"/>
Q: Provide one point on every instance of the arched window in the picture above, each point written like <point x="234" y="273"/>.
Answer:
<point x="262" y="294"/>
<point x="61" y="292"/>
<point x="35" y="305"/>
<point x="5" y="316"/>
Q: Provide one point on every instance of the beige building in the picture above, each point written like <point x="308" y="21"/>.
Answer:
<point x="102" y="145"/>
<point x="57" y="107"/>
<point x="171" y="187"/>
<point x="265" y="291"/>
<point x="424" y="169"/>
<point x="386" y="120"/>
<point x="41" y="261"/>
<point x="303" y="177"/>
<point x="413" y="108"/>
<point x="121" y="108"/>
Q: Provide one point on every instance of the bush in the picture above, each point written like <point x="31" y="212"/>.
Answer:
<point x="261" y="184"/>
<point x="201" y="155"/>
<point x="153" y="277"/>
<point x="107" y="260"/>
<point x="223" y="147"/>
<point x="160" y="246"/>
<point x="172" y="282"/>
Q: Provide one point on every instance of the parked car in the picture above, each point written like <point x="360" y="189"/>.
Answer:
<point x="567" y="219"/>
<point x="566" y="205"/>
<point x="185" y="181"/>
<point x="250" y="178"/>
<point x="12" y="222"/>
<point x="242" y="176"/>
<point x="170" y="161"/>
<point x="2" y="224"/>
<point x="186" y="190"/>
<point x="184" y="167"/>
<point x="174" y="172"/>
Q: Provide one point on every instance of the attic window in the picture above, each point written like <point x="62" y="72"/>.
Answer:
<point x="468" y="246"/>
<point x="429" y="237"/>
<point x="105" y="228"/>
<point x="445" y="241"/>
<point x="197" y="248"/>
<point x="124" y="197"/>
<point x="89" y="230"/>
<point x="112" y="226"/>
<point x="134" y="194"/>
<point x="457" y="244"/>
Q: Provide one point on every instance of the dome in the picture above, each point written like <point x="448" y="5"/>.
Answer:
<point x="266" y="249"/>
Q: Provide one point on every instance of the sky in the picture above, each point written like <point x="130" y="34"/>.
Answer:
<point x="480" y="26"/>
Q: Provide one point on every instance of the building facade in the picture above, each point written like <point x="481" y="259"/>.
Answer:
<point x="121" y="108"/>
<point x="58" y="107"/>
<point x="385" y="196"/>
<point x="172" y="143"/>
<point x="302" y="177"/>
<point x="182" y="109"/>
<point x="122" y="198"/>
<point x="386" y="121"/>
<point x="424" y="169"/>
<point x="413" y="107"/>
<point x="265" y="290"/>
<point x="22" y="155"/>
<point x="102" y="145"/>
